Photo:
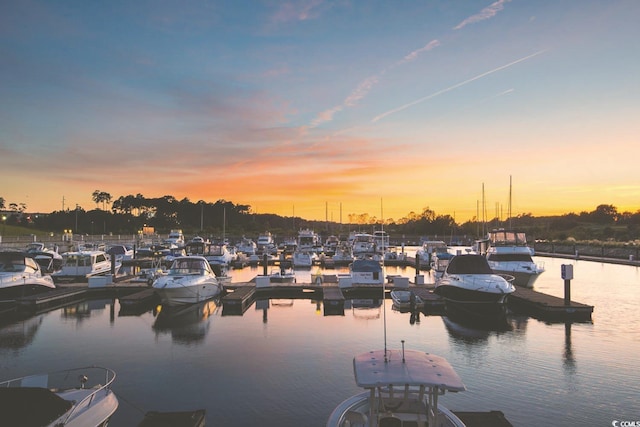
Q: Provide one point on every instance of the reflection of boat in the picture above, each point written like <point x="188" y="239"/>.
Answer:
<point x="473" y="332"/>
<point x="405" y="299"/>
<point x="189" y="280"/>
<point x="21" y="275"/>
<point x="80" y="397"/>
<point x="402" y="387"/>
<point x="469" y="286"/>
<point x="187" y="323"/>
<point x="19" y="334"/>
<point x="509" y="253"/>
<point x="81" y="265"/>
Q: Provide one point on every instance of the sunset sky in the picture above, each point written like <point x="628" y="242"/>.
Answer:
<point x="308" y="107"/>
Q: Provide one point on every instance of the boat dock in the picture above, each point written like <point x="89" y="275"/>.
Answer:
<point x="134" y="296"/>
<point x="548" y="307"/>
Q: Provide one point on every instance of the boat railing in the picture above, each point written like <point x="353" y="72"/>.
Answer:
<point x="109" y="377"/>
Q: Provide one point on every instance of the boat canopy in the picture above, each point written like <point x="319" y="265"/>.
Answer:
<point x="469" y="264"/>
<point x="32" y="406"/>
<point x="405" y="368"/>
<point x="503" y="237"/>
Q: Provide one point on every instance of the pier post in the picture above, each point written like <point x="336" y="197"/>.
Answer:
<point x="264" y="264"/>
<point x="566" y="271"/>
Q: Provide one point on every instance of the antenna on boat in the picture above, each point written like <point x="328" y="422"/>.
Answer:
<point x="384" y="291"/>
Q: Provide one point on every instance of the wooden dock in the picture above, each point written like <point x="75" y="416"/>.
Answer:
<point x="547" y="307"/>
<point x="238" y="301"/>
<point x="483" y="419"/>
<point x="55" y="297"/>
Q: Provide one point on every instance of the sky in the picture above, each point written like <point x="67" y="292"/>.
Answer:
<point x="321" y="109"/>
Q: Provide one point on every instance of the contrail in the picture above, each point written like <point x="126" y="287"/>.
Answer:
<point x="450" y="88"/>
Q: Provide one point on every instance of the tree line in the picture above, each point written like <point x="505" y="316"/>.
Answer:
<point x="129" y="214"/>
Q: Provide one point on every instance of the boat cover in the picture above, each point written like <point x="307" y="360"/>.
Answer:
<point x="418" y="368"/>
<point x="469" y="264"/>
<point x="30" y="406"/>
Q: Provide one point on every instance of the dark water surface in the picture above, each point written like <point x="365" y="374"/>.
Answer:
<point x="289" y="365"/>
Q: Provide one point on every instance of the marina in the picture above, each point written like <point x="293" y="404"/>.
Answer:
<point x="250" y="294"/>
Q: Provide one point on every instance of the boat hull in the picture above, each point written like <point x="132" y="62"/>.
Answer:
<point x="179" y="295"/>
<point x="521" y="278"/>
<point x="465" y="302"/>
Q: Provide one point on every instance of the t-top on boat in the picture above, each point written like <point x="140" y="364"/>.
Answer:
<point x="401" y="389"/>
<point x="79" y="397"/>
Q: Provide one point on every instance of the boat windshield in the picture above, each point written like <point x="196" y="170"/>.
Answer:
<point x="188" y="266"/>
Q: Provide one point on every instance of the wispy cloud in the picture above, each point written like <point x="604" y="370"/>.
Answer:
<point x="363" y="89"/>
<point x="297" y="11"/>
<point x="450" y="88"/>
<point x="486" y="13"/>
<point x="413" y="55"/>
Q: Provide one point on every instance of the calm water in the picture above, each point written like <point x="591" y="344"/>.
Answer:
<point x="289" y="365"/>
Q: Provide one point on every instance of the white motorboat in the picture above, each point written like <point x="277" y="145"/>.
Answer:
<point x="220" y="255"/>
<point x="21" y="275"/>
<point x="246" y="246"/>
<point x="405" y="299"/>
<point x="81" y="265"/>
<point x="402" y="387"/>
<point x="330" y="245"/>
<point x="49" y="259"/>
<point x="362" y="244"/>
<point x="308" y="241"/>
<point x="343" y="254"/>
<point x="381" y="241"/>
<point x="366" y="272"/>
<point x="508" y="253"/>
<point x="120" y="252"/>
<point x="266" y="243"/>
<point x="469" y="286"/>
<point x="80" y="397"/>
<point x="189" y="280"/>
<point x="303" y="258"/>
<point x="282" y="275"/>
<point x="425" y="253"/>
<point x="175" y="238"/>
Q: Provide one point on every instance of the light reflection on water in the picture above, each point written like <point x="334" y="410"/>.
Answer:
<point x="286" y="363"/>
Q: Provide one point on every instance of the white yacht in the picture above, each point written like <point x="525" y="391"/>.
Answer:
<point x="366" y="272"/>
<point x="470" y="287"/>
<point x="80" y="397"/>
<point x="508" y="253"/>
<point x="427" y="249"/>
<point x="220" y="255"/>
<point x="304" y="258"/>
<point x="21" y="275"/>
<point x="401" y="388"/>
<point x="81" y="265"/>
<point x="247" y="246"/>
<point x="49" y="259"/>
<point x="363" y="244"/>
<point x="189" y="280"/>
<point x="266" y="243"/>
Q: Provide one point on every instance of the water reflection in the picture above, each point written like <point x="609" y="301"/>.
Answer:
<point x="187" y="324"/>
<point x="19" y="334"/>
<point x="467" y="332"/>
<point x="83" y="310"/>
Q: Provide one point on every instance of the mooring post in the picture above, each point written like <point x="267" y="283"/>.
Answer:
<point x="566" y="271"/>
<point x="264" y="264"/>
